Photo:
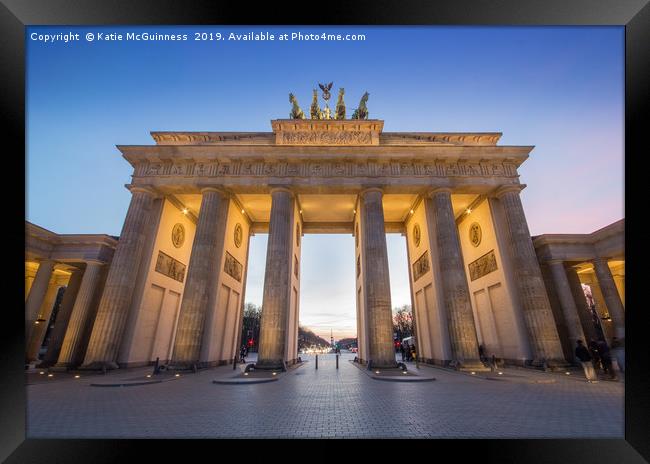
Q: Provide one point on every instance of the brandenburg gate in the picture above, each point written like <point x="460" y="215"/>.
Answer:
<point x="176" y="285"/>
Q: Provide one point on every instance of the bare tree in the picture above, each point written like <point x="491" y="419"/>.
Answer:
<point x="403" y="321"/>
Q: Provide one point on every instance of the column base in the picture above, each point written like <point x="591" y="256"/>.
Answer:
<point x="372" y="364"/>
<point x="548" y="364"/>
<point x="470" y="365"/>
<point x="60" y="367"/>
<point x="193" y="366"/>
<point x="98" y="366"/>
<point x="270" y="365"/>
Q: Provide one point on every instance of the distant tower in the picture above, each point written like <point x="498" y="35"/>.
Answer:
<point x="331" y="338"/>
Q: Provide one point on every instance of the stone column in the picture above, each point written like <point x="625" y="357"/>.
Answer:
<point x="462" y="330"/>
<point x="584" y="312"/>
<point x="619" y="280"/>
<point x="568" y="305"/>
<point x="62" y="318"/>
<point x="612" y="298"/>
<point x="116" y="300"/>
<point x="202" y="278"/>
<point x="538" y="315"/>
<point x="41" y="321"/>
<point x="376" y="280"/>
<point x="276" y="300"/>
<point x="37" y="294"/>
<point x="29" y="280"/>
<point x="69" y="349"/>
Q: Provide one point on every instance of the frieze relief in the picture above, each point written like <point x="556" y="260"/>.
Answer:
<point x="421" y="266"/>
<point x="326" y="138"/>
<point x="482" y="266"/>
<point x="232" y="267"/>
<point x="170" y="267"/>
<point x="315" y="168"/>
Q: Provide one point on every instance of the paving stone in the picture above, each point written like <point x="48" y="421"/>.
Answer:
<point x="329" y="403"/>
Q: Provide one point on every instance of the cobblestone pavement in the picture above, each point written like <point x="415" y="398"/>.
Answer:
<point x="343" y="403"/>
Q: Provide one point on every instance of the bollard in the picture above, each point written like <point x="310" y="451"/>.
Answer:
<point x="337" y="361"/>
<point x="316" y="361"/>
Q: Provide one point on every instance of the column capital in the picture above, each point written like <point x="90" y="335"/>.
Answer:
<point x="281" y="188"/>
<point x="142" y="188"/>
<point x="94" y="262"/>
<point x="599" y="259"/>
<point x="209" y="188"/>
<point x="371" y="189"/>
<point x="431" y="193"/>
<point x="503" y="189"/>
<point x="555" y="261"/>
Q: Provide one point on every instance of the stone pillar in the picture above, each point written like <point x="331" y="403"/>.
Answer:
<point x="202" y="278"/>
<point x="619" y="280"/>
<point x="584" y="312"/>
<point x="376" y="280"/>
<point x="37" y="294"/>
<point x="611" y="296"/>
<point x="68" y="354"/>
<point x="29" y="280"/>
<point x="568" y="305"/>
<point x="40" y="323"/>
<point x="62" y="318"/>
<point x="538" y="316"/>
<point x="116" y="300"/>
<point x="276" y="300"/>
<point x="462" y="330"/>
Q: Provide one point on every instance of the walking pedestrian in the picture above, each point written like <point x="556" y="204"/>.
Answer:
<point x="618" y="351"/>
<point x="401" y="349"/>
<point x="481" y="353"/>
<point x="242" y="354"/>
<point x="582" y="353"/>
<point x="413" y="353"/>
<point x="595" y="356"/>
<point x="606" y="359"/>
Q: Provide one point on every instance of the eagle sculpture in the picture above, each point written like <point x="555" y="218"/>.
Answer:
<point x="326" y="90"/>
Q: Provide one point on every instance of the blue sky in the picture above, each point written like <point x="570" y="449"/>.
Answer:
<point x="558" y="88"/>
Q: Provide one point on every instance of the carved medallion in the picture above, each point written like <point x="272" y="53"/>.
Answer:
<point x="475" y="234"/>
<point x="416" y="235"/>
<point x="239" y="233"/>
<point x="178" y="235"/>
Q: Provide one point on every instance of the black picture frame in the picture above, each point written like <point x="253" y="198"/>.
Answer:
<point x="15" y="15"/>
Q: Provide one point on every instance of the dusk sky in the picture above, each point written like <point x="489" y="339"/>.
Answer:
<point x="558" y="88"/>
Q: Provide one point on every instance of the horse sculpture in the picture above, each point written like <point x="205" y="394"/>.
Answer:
<point x="316" y="112"/>
<point x="362" y="111"/>
<point x="340" y="105"/>
<point x="296" y="112"/>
